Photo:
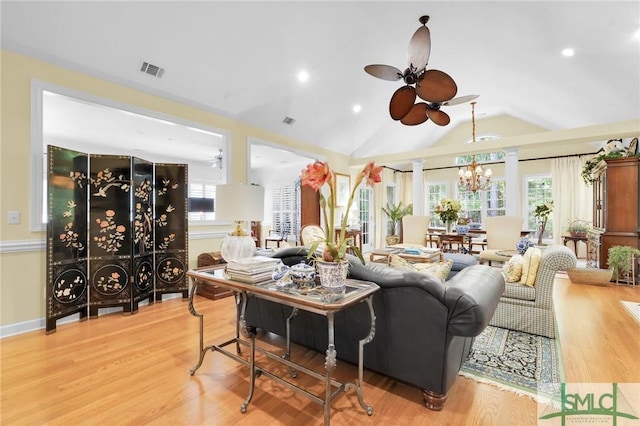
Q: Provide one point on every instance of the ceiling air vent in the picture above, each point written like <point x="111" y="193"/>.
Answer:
<point x="288" y="120"/>
<point x="151" y="69"/>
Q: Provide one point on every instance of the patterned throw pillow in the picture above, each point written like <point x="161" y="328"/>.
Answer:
<point x="400" y="263"/>
<point x="439" y="270"/>
<point x="513" y="269"/>
<point x="530" y="263"/>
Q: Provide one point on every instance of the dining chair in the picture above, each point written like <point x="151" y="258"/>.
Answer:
<point x="503" y="232"/>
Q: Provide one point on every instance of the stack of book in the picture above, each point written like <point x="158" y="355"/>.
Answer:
<point x="252" y="270"/>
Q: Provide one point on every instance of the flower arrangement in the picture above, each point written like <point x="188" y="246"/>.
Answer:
<point x="448" y="210"/>
<point x="318" y="174"/>
<point x="542" y="212"/>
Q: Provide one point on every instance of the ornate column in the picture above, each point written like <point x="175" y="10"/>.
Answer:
<point x="512" y="181"/>
<point x="418" y="187"/>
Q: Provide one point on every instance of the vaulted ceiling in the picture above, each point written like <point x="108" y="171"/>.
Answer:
<point x="241" y="60"/>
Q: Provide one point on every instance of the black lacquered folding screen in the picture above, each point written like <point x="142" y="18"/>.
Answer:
<point x="171" y="228"/>
<point x="108" y="244"/>
<point x="110" y="229"/>
<point x="67" y="261"/>
<point x="143" y="276"/>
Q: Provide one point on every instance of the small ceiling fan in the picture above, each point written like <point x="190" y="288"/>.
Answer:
<point x="435" y="87"/>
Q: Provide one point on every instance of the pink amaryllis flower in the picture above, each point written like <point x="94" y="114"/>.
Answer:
<point x="315" y="175"/>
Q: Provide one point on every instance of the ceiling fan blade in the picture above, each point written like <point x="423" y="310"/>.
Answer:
<point x="441" y="118"/>
<point x="384" y="72"/>
<point x="402" y="102"/>
<point x="417" y="115"/>
<point x="436" y="86"/>
<point x="460" y="100"/>
<point x="419" y="48"/>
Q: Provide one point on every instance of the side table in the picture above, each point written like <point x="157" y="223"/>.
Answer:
<point x="567" y="238"/>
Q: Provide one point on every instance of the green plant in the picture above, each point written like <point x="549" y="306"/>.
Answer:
<point x="542" y="212"/>
<point x="578" y="228"/>
<point x="395" y="213"/>
<point x="587" y="170"/>
<point x="620" y="259"/>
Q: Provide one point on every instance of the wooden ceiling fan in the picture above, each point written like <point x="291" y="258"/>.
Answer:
<point x="433" y="86"/>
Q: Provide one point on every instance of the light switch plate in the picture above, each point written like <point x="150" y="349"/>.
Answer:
<point x="13" y="217"/>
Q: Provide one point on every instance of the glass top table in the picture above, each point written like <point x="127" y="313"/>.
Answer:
<point x="356" y="291"/>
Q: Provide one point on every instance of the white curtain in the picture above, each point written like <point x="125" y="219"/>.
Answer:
<point x="572" y="198"/>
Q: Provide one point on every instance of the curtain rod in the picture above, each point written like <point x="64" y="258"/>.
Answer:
<point x="495" y="162"/>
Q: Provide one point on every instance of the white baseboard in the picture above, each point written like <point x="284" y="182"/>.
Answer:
<point x="40" y="323"/>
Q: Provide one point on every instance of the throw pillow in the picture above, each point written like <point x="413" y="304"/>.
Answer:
<point x="400" y="263"/>
<point x="438" y="269"/>
<point x="513" y="269"/>
<point x="530" y="263"/>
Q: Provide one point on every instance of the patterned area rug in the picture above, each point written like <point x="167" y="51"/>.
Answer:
<point x="515" y="361"/>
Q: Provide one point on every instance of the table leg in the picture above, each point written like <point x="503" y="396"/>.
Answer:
<point x="329" y="367"/>
<point x="287" y="354"/>
<point x="370" y="336"/>
<point x="192" y="311"/>
<point x="252" y="356"/>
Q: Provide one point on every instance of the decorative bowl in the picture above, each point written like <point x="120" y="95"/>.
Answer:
<point x="303" y="275"/>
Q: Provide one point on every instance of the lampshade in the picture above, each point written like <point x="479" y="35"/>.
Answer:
<point x="239" y="203"/>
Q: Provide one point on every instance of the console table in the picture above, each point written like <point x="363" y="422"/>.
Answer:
<point x="357" y="291"/>
<point x="575" y="240"/>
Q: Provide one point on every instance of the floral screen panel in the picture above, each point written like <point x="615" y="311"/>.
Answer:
<point x="110" y="242"/>
<point x="171" y="228"/>
<point x="67" y="261"/>
<point x="143" y="276"/>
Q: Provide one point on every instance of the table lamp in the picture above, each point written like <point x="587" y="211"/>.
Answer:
<point x="239" y="203"/>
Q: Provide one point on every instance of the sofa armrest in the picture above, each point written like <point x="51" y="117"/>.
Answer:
<point x="472" y="297"/>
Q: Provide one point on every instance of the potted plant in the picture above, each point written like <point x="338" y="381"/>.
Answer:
<point x="578" y="228"/>
<point x="622" y="260"/>
<point x="395" y="213"/>
<point x="542" y="212"/>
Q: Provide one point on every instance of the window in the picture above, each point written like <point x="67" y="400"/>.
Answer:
<point x="435" y="193"/>
<point x="496" y="198"/>
<point x="486" y="157"/>
<point x="202" y="189"/>
<point x="481" y="204"/>
<point x="391" y="199"/>
<point x="285" y="196"/>
<point x="538" y="192"/>
<point x="471" y="205"/>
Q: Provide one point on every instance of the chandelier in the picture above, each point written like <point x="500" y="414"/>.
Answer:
<point x="474" y="177"/>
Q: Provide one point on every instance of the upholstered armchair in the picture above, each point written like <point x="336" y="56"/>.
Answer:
<point x="503" y="233"/>
<point x="530" y="309"/>
<point x="415" y="229"/>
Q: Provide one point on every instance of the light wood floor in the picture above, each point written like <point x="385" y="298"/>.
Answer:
<point x="135" y="370"/>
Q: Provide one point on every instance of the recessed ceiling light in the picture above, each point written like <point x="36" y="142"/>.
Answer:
<point x="568" y="52"/>
<point x="303" y="76"/>
<point x="357" y="108"/>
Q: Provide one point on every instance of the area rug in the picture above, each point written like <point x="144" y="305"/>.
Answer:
<point x="633" y="308"/>
<point x="519" y="362"/>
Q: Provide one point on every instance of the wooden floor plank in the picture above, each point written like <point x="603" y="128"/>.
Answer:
<point x="134" y="370"/>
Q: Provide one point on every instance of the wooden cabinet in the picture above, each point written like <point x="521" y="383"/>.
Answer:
<point x="209" y="290"/>
<point x="616" y="209"/>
